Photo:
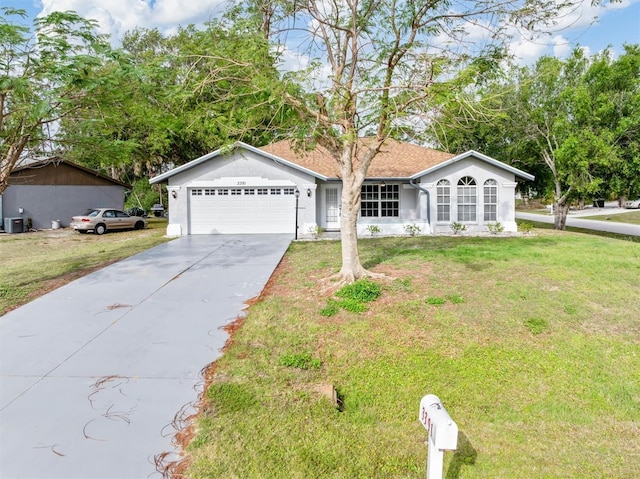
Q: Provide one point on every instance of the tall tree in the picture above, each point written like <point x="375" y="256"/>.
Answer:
<point x="376" y="65"/>
<point x="184" y="95"/>
<point x="610" y="110"/>
<point x="573" y="122"/>
<point x="45" y="77"/>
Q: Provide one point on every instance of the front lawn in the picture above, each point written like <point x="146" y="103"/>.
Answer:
<point x="36" y="262"/>
<point x="533" y="344"/>
<point x="632" y="217"/>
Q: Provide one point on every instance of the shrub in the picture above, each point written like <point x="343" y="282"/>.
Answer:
<point x="457" y="227"/>
<point x="525" y="227"/>
<point x="315" y="231"/>
<point x="373" y="229"/>
<point x="413" y="229"/>
<point x="495" y="228"/>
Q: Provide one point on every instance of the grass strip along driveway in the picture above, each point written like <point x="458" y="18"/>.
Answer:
<point x="37" y="262"/>
<point x="532" y="343"/>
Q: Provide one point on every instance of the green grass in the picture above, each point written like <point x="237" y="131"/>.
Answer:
<point x="605" y="234"/>
<point x="534" y="349"/>
<point x="33" y="263"/>
<point x="632" y="217"/>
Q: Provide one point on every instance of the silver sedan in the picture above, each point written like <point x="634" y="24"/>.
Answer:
<point x="101" y="220"/>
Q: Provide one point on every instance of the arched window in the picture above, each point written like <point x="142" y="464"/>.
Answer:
<point x="443" y="201"/>
<point x="490" y="200"/>
<point x="467" y="199"/>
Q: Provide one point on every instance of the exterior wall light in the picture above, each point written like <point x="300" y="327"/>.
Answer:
<point x="174" y="193"/>
<point x="309" y="192"/>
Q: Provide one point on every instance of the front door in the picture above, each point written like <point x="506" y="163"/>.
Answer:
<point x="332" y="208"/>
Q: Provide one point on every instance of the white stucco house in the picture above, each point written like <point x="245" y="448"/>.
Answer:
<point x="244" y="189"/>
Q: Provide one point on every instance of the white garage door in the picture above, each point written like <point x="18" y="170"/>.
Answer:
<point x="242" y="210"/>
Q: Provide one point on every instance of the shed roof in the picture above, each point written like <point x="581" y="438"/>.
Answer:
<point x="35" y="173"/>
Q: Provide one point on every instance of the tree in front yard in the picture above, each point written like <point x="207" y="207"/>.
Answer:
<point x="377" y="68"/>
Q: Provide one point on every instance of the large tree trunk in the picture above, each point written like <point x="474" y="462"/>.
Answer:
<point x="352" y="268"/>
<point x="560" y="210"/>
<point x="560" y="200"/>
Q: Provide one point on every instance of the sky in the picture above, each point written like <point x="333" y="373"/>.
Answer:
<point x="593" y="28"/>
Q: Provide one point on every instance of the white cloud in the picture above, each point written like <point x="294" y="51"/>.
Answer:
<point x="559" y="39"/>
<point x="561" y="46"/>
<point x="119" y="16"/>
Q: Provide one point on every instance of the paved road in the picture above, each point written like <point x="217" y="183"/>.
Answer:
<point x="93" y="374"/>
<point x="577" y="221"/>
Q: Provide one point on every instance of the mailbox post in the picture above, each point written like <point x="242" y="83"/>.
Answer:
<point x="443" y="433"/>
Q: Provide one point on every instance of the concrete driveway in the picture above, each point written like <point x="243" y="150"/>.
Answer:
<point x="93" y="374"/>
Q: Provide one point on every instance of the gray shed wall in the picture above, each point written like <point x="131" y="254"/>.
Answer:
<point x="43" y="203"/>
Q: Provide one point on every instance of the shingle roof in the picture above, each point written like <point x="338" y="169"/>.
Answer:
<point x="396" y="159"/>
<point x="42" y="162"/>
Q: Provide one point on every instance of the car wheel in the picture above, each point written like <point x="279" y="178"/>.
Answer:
<point x="139" y="225"/>
<point x="100" y="229"/>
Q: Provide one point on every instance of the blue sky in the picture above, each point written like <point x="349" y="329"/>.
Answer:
<point x="617" y="23"/>
<point x="615" y="27"/>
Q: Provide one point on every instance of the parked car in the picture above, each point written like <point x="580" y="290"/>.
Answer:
<point x="158" y="210"/>
<point x="101" y="220"/>
<point x="135" y="211"/>
<point x="633" y="203"/>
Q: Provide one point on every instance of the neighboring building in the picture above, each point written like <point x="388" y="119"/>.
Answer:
<point x="55" y="190"/>
<point x="252" y="190"/>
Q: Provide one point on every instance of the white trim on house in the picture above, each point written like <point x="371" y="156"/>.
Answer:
<point x="229" y="150"/>
<point x="480" y="156"/>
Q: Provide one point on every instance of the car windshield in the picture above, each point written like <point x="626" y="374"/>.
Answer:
<point x="93" y="213"/>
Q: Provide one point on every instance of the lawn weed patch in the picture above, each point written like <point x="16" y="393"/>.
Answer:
<point x="352" y="298"/>
<point x="300" y="361"/>
<point x="536" y="325"/>
<point x="363" y="290"/>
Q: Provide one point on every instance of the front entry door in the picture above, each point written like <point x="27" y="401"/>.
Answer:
<point x="332" y="208"/>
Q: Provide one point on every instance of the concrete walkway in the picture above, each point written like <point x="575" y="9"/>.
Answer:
<point x="93" y="374"/>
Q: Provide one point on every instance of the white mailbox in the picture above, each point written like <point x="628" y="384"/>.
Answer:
<point x="443" y="433"/>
